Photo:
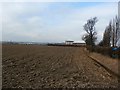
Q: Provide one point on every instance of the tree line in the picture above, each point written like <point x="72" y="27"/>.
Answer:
<point x="111" y="35"/>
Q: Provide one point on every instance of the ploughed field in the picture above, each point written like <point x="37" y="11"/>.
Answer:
<point x="34" y="66"/>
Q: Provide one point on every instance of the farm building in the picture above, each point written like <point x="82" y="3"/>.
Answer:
<point x="69" y="42"/>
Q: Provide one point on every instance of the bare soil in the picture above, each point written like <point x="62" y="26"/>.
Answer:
<point x="34" y="66"/>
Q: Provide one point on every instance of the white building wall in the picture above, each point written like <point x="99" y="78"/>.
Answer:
<point x="68" y="43"/>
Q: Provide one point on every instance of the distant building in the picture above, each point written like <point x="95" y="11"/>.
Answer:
<point x="69" y="42"/>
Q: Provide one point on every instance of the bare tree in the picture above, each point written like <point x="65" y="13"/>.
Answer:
<point x="115" y="31"/>
<point x="87" y="40"/>
<point x="112" y="33"/>
<point x="107" y="36"/>
<point x="89" y="27"/>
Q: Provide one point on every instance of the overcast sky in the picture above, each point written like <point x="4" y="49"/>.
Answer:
<point x="53" y="21"/>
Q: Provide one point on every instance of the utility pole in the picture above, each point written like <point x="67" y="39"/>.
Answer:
<point x="119" y="9"/>
<point x="119" y="20"/>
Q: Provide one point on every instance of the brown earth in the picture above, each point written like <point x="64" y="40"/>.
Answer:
<point x="108" y="62"/>
<point x="34" y="66"/>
